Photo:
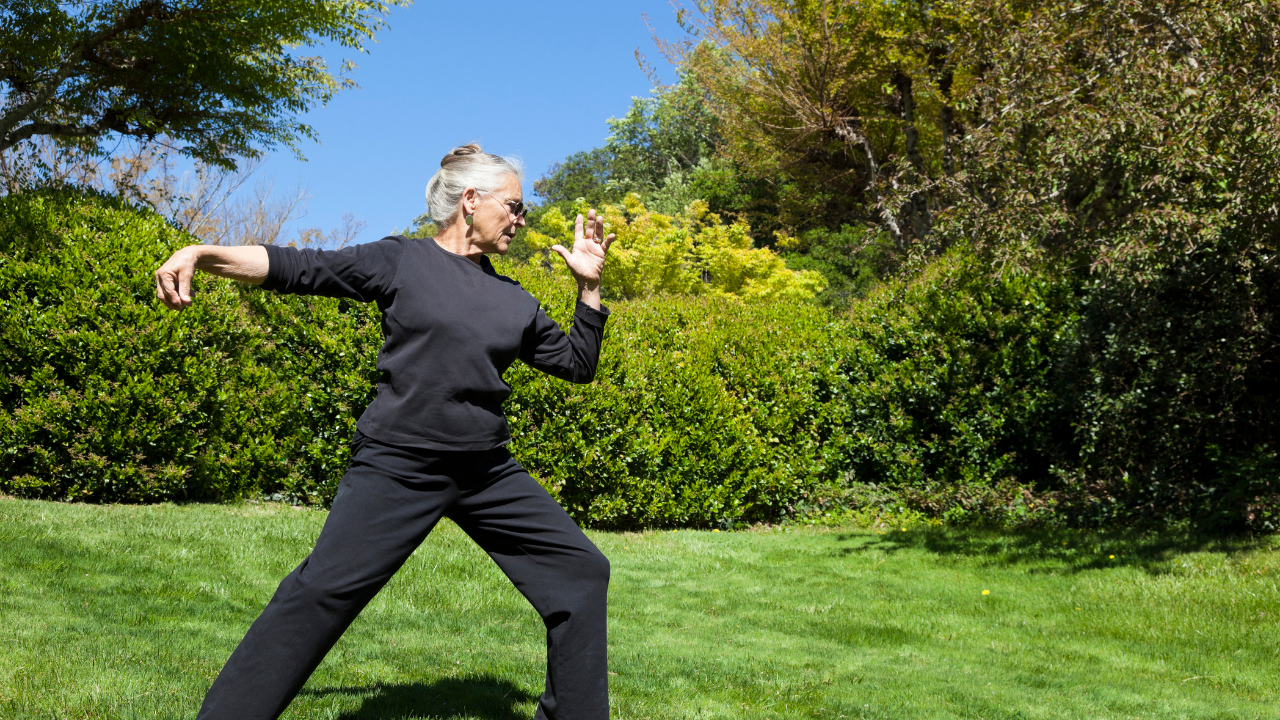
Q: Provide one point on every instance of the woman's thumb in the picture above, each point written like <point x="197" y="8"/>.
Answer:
<point x="563" y="253"/>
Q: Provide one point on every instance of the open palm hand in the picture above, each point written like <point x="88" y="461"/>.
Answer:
<point x="590" y="246"/>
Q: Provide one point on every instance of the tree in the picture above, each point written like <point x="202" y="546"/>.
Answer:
<point x="217" y="76"/>
<point x="1062" y="125"/>
<point x="849" y="101"/>
<point x="1106" y="130"/>
<point x="669" y="133"/>
<point x="582" y="175"/>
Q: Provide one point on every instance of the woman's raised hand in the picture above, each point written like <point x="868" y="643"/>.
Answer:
<point x="590" y="246"/>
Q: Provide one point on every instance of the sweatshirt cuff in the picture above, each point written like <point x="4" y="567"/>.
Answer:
<point x="277" y="263"/>
<point x="585" y="313"/>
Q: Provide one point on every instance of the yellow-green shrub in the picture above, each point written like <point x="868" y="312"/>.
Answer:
<point x="692" y="253"/>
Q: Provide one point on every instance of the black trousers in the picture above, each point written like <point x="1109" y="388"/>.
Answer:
<point x="386" y="504"/>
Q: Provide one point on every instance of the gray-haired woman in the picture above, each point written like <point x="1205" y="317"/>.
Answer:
<point x="431" y="444"/>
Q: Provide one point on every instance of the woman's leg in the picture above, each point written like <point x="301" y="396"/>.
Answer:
<point x="563" y="575"/>
<point x="388" y="501"/>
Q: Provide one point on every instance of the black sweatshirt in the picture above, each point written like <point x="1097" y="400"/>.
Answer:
<point x="451" y="328"/>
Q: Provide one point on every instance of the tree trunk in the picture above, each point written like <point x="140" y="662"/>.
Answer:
<point x="918" y="205"/>
<point x="948" y="121"/>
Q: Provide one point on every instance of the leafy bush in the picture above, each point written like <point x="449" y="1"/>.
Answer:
<point x="691" y="253"/>
<point x="105" y="395"/>
<point x="1143" y="396"/>
<point x="1169" y="389"/>
<point x="706" y="411"/>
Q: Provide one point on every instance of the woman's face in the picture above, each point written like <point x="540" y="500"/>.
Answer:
<point x="494" y="221"/>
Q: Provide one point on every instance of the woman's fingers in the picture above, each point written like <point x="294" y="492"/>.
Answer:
<point x="185" y="273"/>
<point x="166" y="288"/>
<point x="160" y="287"/>
<point x="591" y="228"/>
<point x="173" y="282"/>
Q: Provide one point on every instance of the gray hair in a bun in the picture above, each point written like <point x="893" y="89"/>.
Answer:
<point x="466" y="167"/>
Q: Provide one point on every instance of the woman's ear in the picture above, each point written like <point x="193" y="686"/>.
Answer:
<point x="470" y="199"/>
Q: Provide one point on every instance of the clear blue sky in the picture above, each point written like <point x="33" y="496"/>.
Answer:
<point x="536" y="80"/>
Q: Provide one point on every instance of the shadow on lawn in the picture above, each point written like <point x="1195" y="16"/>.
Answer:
<point x="1054" y="550"/>
<point x="480" y="696"/>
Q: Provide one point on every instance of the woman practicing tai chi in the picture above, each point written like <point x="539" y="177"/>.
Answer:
<point x="431" y="444"/>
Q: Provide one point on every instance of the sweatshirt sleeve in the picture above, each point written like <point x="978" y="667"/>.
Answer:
<point x="569" y="357"/>
<point x="360" y="272"/>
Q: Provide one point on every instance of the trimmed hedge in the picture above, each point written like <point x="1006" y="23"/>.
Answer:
<point x="107" y="396"/>
<point x="1033" y="398"/>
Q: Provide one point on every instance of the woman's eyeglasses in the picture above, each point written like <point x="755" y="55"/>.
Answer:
<point x="515" y="207"/>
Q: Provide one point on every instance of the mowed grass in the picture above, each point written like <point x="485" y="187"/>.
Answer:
<point x="129" y="612"/>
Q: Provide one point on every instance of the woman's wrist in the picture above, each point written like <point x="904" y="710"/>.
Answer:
<point x="589" y="294"/>
<point x="198" y="254"/>
<point x="248" y="263"/>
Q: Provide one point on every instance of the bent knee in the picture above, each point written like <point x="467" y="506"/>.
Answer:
<point x="589" y="570"/>
<point x="597" y="568"/>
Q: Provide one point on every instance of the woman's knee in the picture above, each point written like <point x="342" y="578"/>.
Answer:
<point x="594" y="569"/>
<point x="582" y="574"/>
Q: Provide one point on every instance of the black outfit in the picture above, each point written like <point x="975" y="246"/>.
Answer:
<point x="430" y="446"/>
<point x="452" y="327"/>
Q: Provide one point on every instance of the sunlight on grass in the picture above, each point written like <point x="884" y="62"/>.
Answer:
<point x="129" y="612"/>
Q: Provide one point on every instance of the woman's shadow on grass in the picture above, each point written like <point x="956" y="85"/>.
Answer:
<point x="479" y="696"/>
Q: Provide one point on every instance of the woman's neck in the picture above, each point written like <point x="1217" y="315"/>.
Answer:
<point x="456" y="239"/>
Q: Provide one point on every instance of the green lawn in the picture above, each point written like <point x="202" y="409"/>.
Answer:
<point x="128" y="612"/>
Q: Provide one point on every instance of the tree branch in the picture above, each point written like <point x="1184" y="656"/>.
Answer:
<point x="846" y="132"/>
<point x="110" y="120"/>
<point x="133" y="19"/>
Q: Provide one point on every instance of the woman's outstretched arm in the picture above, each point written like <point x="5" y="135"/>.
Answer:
<point x="173" y="279"/>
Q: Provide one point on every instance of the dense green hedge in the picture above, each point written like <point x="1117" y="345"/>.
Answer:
<point x="957" y="393"/>
<point x="105" y="395"/>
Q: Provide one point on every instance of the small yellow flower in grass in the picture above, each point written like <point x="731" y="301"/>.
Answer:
<point x="1113" y="557"/>
<point x="904" y="529"/>
<point x="986" y="592"/>
<point x="717" y="530"/>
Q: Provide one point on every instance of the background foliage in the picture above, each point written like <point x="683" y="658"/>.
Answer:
<point x="945" y="393"/>
<point x="690" y="253"/>
<point x="977" y="260"/>
<point x="106" y="396"/>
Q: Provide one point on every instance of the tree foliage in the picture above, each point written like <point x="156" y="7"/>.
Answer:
<point x="842" y="98"/>
<point x="1063" y="126"/>
<point x="219" y="76"/>
<point x="664" y="149"/>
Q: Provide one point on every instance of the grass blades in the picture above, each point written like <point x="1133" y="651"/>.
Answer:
<point x="129" y="612"/>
